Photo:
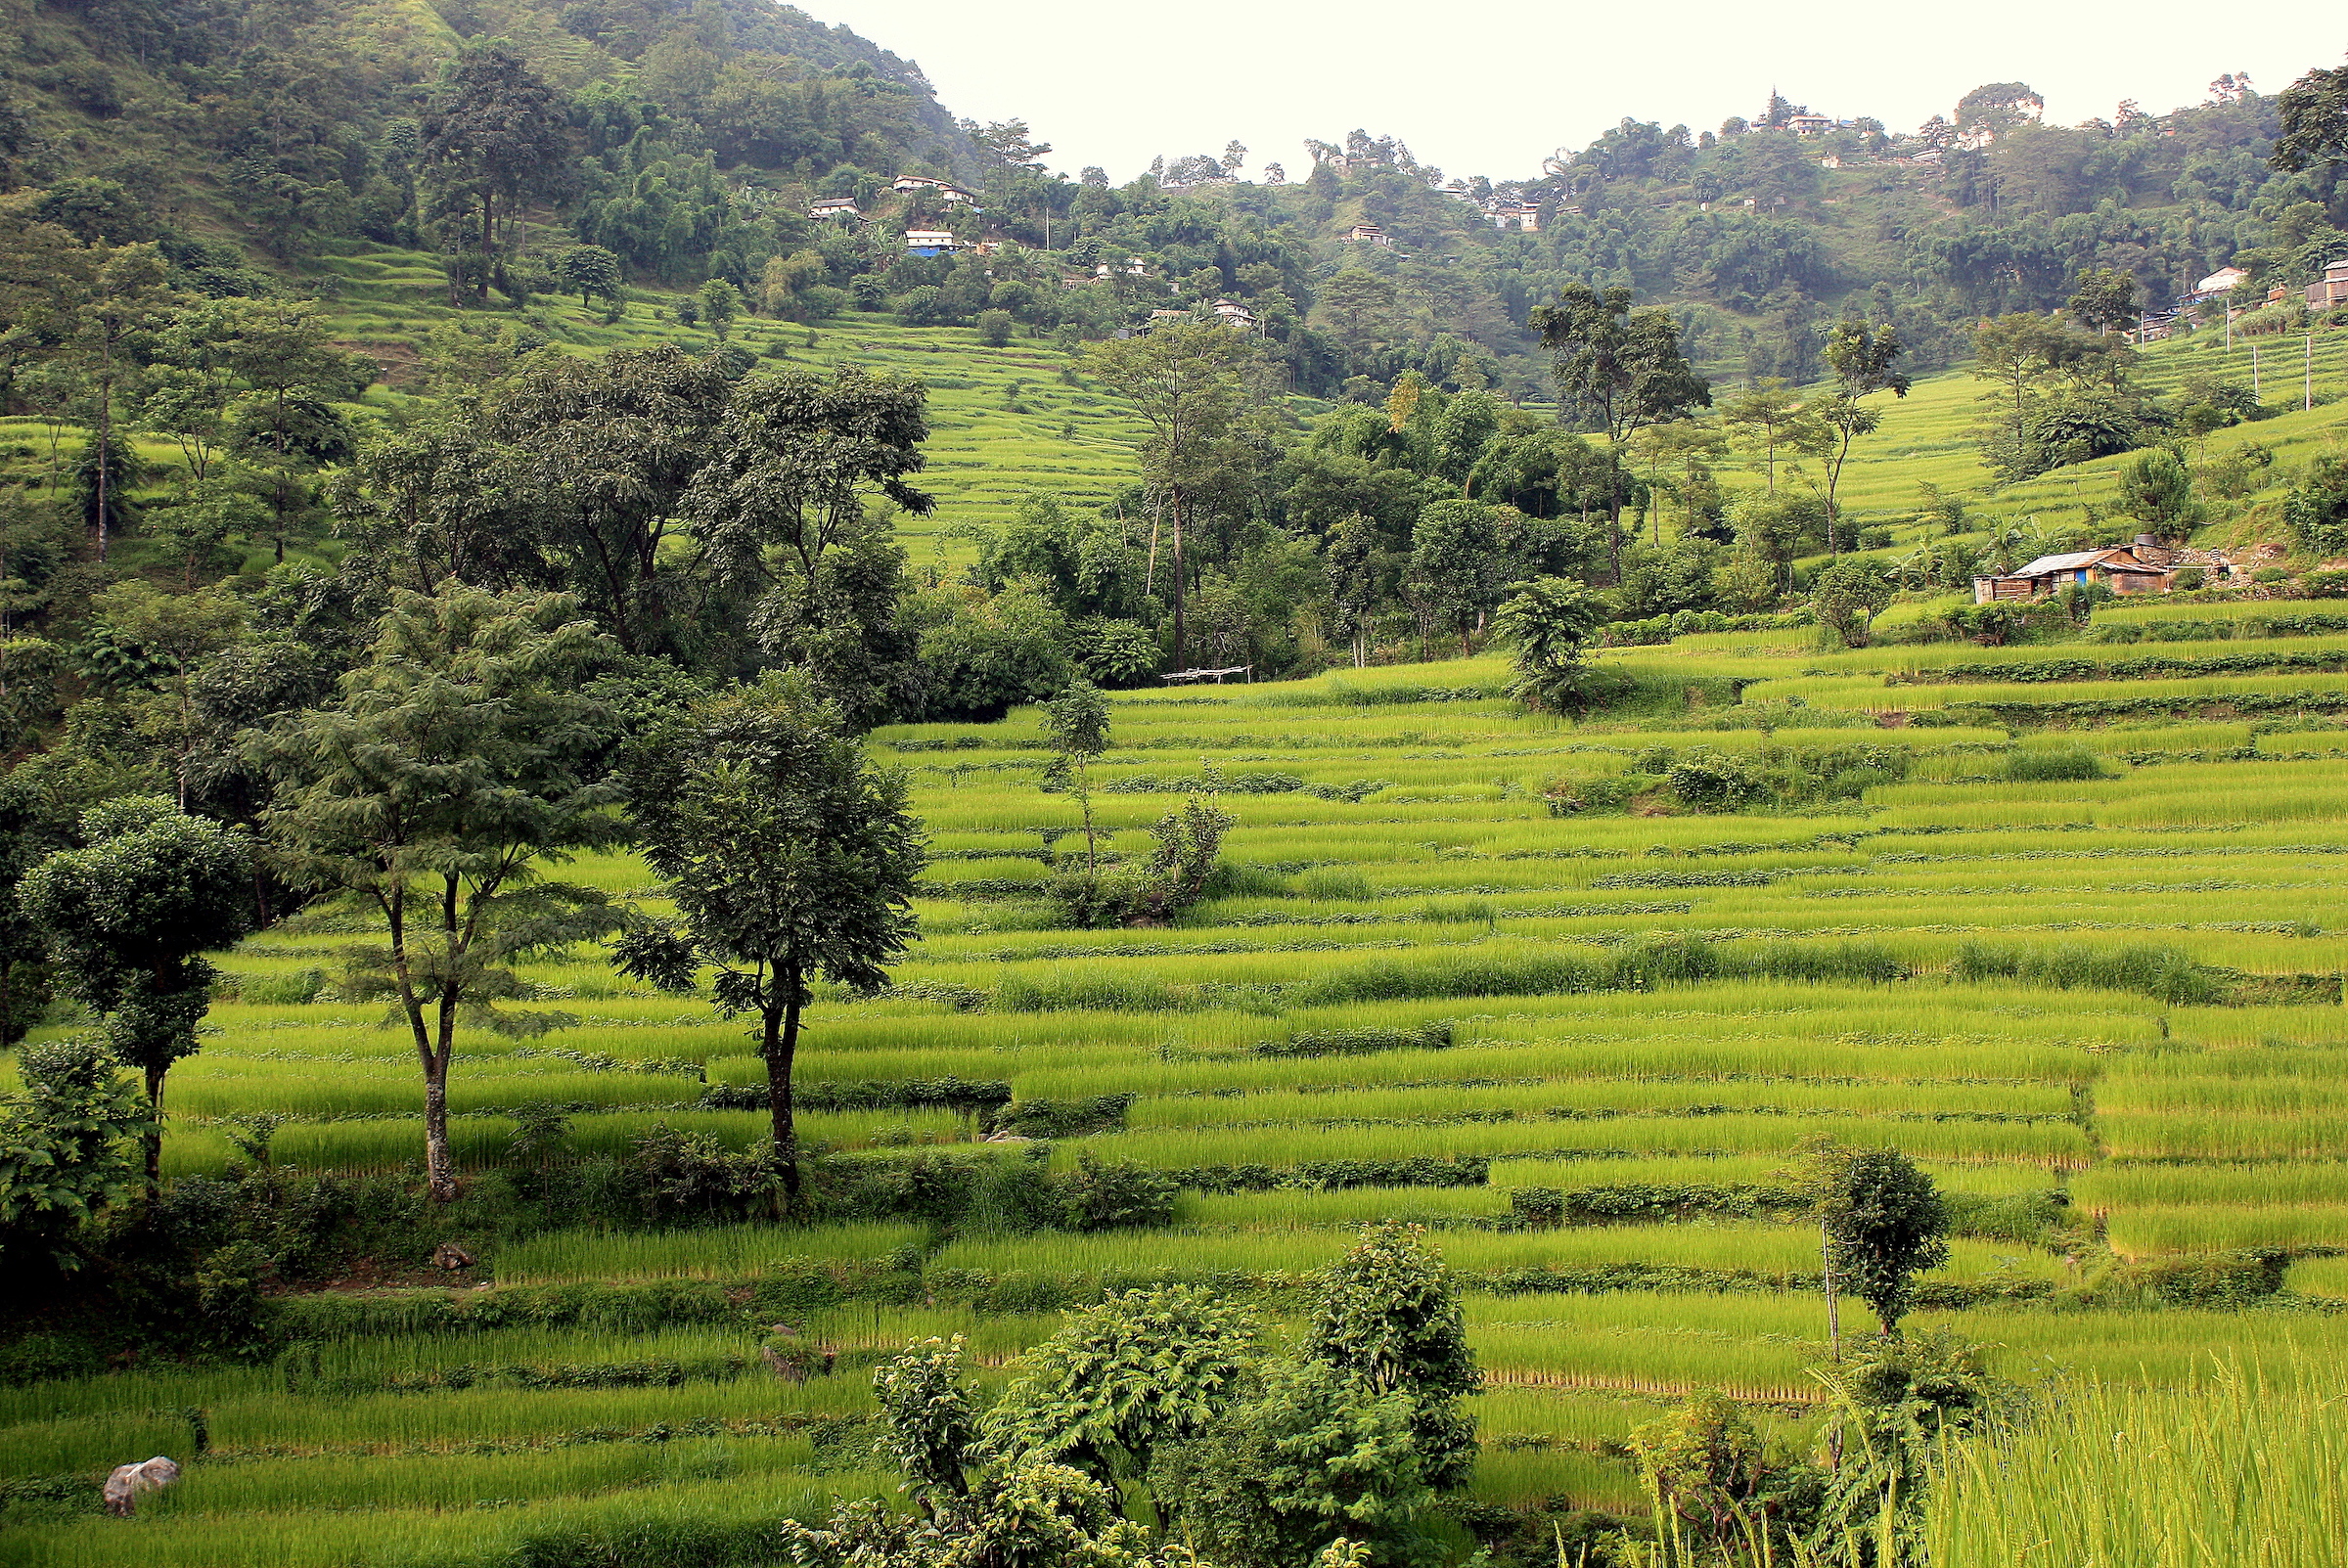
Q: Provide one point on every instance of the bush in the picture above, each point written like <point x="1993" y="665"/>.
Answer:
<point x="2186" y="579"/>
<point x="2324" y="584"/>
<point x="2053" y="766"/>
<point x="2317" y="512"/>
<point x="2163" y="974"/>
<point x="1117" y="1195"/>
<point x="994" y="328"/>
<point x="1713" y="780"/>
<point x="1358" y="1042"/>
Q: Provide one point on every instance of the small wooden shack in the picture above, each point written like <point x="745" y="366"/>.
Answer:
<point x="2123" y="569"/>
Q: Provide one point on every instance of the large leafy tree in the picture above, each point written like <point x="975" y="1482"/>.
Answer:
<point x="781" y="509"/>
<point x="497" y="129"/>
<point x="1454" y="550"/>
<point x="1184" y="382"/>
<point x="788" y="856"/>
<point x="605" y="451"/>
<point x="1620" y="370"/>
<point x="2315" y="120"/>
<point x="457" y="764"/>
<point x="127" y="918"/>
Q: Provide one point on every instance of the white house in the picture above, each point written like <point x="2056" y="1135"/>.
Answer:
<point x="931" y="243"/>
<point x="833" y="206"/>
<point x="1810" y="125"/>
<point x="907" y="184"/>
<point x="1521" y="216"/>
<point x="1236" y="314"/>
<point x="1365" y="233"/>
<point x="2222" y="280"/>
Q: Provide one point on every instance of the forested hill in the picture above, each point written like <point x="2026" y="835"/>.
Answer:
<point x="691" y="139"/>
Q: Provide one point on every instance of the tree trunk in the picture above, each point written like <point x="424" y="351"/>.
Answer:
<point x="780" y="1042"/>
<point x="1826" y="1259"/>
<point x="488" y="243"/>
<point x="105" y="453"/>
<point x="439" y="1175"/>
<point x="154" y="1138"/>
<point x="1181" y="586"/>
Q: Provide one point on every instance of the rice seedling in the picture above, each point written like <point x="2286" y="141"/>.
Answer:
<point x="2111" y="1475"/>
<point x="720" y="1253"/>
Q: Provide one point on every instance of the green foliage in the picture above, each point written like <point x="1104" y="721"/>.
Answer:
<point x="66" y="1150"/>
<point x="1716" y="781"/>
<point x="1847" y="595"/>
<point x="2317" y="512"/>
<point x="1316" y="1456"/>
<point x="126" y="920"/>
<point x="1713" y="1475"/>
<point x="1884" y="1224"/>
<point x="2029" y="765"/>
<point x="1390" y="1316"/>
<point x="1139" y="1370"/>
<point x="1547" y="623"/>
<point x="1116" y="1195"/>
<point x="928" y="1420"/>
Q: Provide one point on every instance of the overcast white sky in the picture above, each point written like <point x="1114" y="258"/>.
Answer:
<point x="1492" y="86"/>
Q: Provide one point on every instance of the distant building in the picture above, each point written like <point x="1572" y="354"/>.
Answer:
<point x="1523" y="216"/>
<point x="2222" y="280"/>
<point x="908" y="184"/>
<point x="1458" y="191"/>
<point x="2331" y="289"/>
<point x="1829" y="162"/>
<point x="2138" y="569"/>
<point x="1810" y="125"/>
<point x="931" y="243"/>
<point x="1236" y="314"/>
<point x="1365" y="233"/>
<point x="833" y="206"/>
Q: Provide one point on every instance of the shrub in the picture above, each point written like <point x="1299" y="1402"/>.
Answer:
<point x="2325" y="584"/>
<point x="2186" y="579"/>
<point x="2053" y="766"/>
<point x="2317" y="512"/>
<point x="994" y="328"/>
<point x="1116" y="1195"/>
<point x="1714" y="781"/>
<point x="1358" y="1042"/>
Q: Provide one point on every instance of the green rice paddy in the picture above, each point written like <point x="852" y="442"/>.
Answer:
<point x="2134" y="1134"/>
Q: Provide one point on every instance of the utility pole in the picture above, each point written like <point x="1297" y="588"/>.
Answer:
<point x="2307" y="392"/>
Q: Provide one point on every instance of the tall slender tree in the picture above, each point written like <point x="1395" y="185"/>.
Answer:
<point x="1183" y="381"/>
<point x="788" y="856"/>
<point x="458" y="763"/>
<point x="1620" y="370"/>
<point x="1863" y="355"/>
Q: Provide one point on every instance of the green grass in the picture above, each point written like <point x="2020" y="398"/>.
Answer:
<point x="2240" y="1470"/>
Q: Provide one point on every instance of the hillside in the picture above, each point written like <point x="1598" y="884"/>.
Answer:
<point x="1580" y="1048"/>
<point x="692" y="142"/>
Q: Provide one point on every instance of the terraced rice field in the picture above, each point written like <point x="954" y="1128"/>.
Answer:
<point x="1398" y="865"/>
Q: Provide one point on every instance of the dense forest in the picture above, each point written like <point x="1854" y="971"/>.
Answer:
<point x="690" y="141"/>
